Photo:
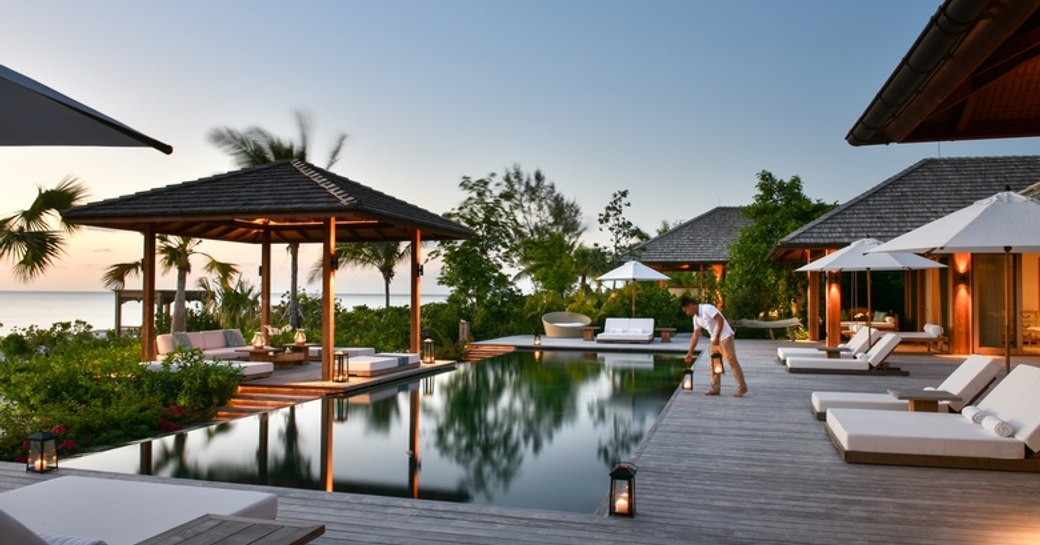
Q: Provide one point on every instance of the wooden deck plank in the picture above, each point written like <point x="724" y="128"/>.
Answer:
<point x="718" y="470"/>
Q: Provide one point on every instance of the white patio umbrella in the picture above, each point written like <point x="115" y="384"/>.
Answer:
<point x="1006" y="223"/>
<point x="854" y="257"/>
<point x="632" y="271"/>
<point x="32" y="114"/>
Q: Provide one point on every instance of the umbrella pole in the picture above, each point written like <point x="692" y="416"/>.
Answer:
<point x="870" y="314"/>
<point x="1007" y="310"/>
<point x="633" y="298"/>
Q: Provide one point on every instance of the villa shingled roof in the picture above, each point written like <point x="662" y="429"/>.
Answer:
<point x="703" y="240"/>
<point x="288" y="198"/>
<point x="927" y="190"/>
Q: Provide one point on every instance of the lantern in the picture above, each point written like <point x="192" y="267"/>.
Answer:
<point x="300" y="337"/>
<point x="342" y="370"/>
<point x="716" y="364"/>
<point x="258" y="340"/>
<point x="341" y="409"/>
<point x="43" y="452"/>
<point x="622" y="497"/>
<point x="427" y="354"/>
<point x="537" y="340"/>
<point x="427" y="386"/>
<point x="687" y="378"/>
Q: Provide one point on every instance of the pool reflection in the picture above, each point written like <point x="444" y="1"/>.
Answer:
<point x="509" y="431"/>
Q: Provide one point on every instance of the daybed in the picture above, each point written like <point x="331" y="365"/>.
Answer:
<point x="123" y="512"/>
<point x="882" y="320"/>
<point x="968" y="381"/>
<point x="627" y="330"/>
<point x="856" y="345"/>
<point x="946" y="439"/>
<point x="314" y="352"/>
<point x="931" y="335"/>
<point x="873" y="361"/>
<point x="565" y="324"/>
<point x="382" y="363"/>
<point x="247" y="370"/>
<point x="215" y="343"/>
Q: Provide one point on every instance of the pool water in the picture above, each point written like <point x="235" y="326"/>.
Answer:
<point x="527" y="429"/>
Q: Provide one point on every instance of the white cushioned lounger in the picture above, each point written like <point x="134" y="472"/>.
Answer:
<point x="873" y="358"/>
<point x="856" y="345"/>
<point x="968" y="380"/>
<point x="627" y="330"/>
<point x="370" y="366"/>
<point x="125" y="512"/>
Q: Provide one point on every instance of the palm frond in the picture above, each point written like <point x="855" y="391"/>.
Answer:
<point x="337" y="147"/>
<point x="116" y="275"/>
<point x="33" y="251"/>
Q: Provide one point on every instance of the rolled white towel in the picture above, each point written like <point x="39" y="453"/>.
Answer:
<point x="973" y="414"/>
<point x="997" y="426"/>
<point x="929" y="388"/>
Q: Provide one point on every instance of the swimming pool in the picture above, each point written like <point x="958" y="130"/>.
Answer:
<point x="527" y="429"/>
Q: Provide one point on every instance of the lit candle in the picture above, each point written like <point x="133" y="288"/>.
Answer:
<point x="40" y="465"/>
<point x="621" y="505"/>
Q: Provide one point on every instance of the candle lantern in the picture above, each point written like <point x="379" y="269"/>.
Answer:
<point x="687" y="378"/>
<point x="622" y="497"/>
<point x="342" y="371"/>
<point x="537" y="340"/>
<point x="428" y="354"/>
<point x="258" y="340"/>
<point x="341" y="409"/>
<point x="300" y="337"/>
<point x="43" y="452"/>
<point x="716" y="364"/>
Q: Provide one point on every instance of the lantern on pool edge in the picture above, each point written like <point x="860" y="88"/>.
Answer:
<point x="258" y="340"/>
<point x="43" y="452"/>
<point x="622" y="497"/>
<point x="687" y="378"/>
<point x="427" y="354"/>
<point x="537" y="340"/>
<point x="716" y="364"/>
<point x="341" y="372"/>
<point x="300" y="337"/>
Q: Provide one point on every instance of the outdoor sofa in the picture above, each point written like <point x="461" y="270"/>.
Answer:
<point x="247" y="370"/>
<point x="872" y="361"/>
<point x="565" y="324"/>
<point x="214" y="343"/>
<point x="117" y="512"/>
<point x="856" y="345"/>
<point x="968" y="381"/>
<point x="948" y="439"/>
<point x="627" y="330"/>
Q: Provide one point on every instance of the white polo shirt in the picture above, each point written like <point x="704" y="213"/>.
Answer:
<point x="705" y="318"/>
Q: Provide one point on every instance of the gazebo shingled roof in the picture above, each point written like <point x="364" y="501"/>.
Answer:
<point x="703" y="240"/>
<point x="290" y="198"/>
<point x="927" y="190"/>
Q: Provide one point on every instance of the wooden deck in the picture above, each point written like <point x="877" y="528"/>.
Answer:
<point x="759" y="469"/>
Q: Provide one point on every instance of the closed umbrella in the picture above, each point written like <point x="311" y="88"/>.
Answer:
<point x="633" y="271"/>
<point x="854" y="257"/>
<point x="1005" y="223"/>
<point x="32" y="114"/>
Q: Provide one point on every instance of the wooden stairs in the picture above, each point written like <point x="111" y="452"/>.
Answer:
<point x="477" y="352"/>
<point x="256" y="399"/>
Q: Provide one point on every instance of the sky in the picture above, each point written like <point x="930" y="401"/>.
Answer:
<point x="680" y="102"/>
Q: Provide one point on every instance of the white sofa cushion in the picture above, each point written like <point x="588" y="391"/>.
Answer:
<point x="164" y="343"/>
<point x="822" y="401"/>
<point x="212" y="339"/>
<point x="847" y="364"/>
<point x="371" y="364"/>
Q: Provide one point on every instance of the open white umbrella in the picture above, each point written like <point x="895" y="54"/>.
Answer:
<point x="632" y="271"/>
<point x="854" y="257"/>
<point x="32" y="114"/>
<point x="1005" y="223"/>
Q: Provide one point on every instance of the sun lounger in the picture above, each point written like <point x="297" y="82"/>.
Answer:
<point x="873" y="361"/>
<point x="946" y="439"/>
<point x="856" y="345"/>
<point x="627" y="330"/>
<point x="124" y="512"/>
<point x="931" y="335"/>
<point x="968" y="381"/>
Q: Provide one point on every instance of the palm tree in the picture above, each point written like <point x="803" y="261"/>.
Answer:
<point x="383" y="256"/>
<point x="232" y="301"/>
<point x="255" y="146"/>
<point x="27" y="238"/>
<point x="174" y="253"/>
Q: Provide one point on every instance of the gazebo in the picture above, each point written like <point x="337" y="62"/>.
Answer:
<point x="282" y="202"/>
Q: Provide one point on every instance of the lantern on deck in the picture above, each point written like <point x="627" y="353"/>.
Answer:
<point x="687" y="378"/>
<point x="341" y="373"/>
<point x="300" y="337"/>
<point x="428" y="354"/>
<point x="622" y="497"/>
<point x="258" y="340"/>
<point x="43" y="452"/>
<point x="716" y="364"/>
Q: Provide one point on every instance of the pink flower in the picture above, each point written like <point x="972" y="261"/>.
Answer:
<point x="167" y="426"/>
<point x="21" y="459"/>
<point x="58" y="429"/>
<point x="68" y="444"/>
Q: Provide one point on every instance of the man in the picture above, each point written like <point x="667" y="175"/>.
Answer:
<point x="710" y="318"/>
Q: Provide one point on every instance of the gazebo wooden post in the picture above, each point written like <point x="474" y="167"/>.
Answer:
<point x="148" y="295"/>
<point x="415" y="325"/>
<point x="119" y="313"/>
<point x="833" y="308"/>
<point x="328" y="298"/>
<point x="813" y="318"/>
<point x="265" y="284"/>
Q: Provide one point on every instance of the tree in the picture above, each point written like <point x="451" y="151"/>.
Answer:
<point x="623" y="233"/>
<point x="27" y="237"/>
<point x="754" y="285"/>
<point x="382" y="256"/>
<point x="255" y="146"/>
<point x="538" y="208"/>
<point x="590" y="262"/>
<point x="232" y="301"/>
<point x="174" y="253"/>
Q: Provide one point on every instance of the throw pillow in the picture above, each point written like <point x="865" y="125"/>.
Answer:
<point x="181" y="340"/>
<point x="233" y="337"/>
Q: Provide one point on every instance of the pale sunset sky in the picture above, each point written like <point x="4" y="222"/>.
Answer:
<point x="681" y="102"/>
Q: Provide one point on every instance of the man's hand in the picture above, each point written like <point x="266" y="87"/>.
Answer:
<point x="688" y="358"/>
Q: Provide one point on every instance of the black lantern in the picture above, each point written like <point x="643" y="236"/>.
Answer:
<point x="687" y="378"/>
<point x="537" y="340"/>
<point x="43" y="452"/>
<point x="622" y="497"/>
<point x="342" y="371"/>
<point x="341" y="409"/>
<point x="716" y="364"/>
<point x="427" y="354"/>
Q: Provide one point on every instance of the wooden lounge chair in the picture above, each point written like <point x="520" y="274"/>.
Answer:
<point x="873" y="361"/>
<point x="968" y="382"/>
<point x="948" y="439"/>
<point x="856" y="345"/>
<point x="931" y="335"/>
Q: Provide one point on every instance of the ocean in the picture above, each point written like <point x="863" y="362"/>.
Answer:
<point x="42" y="308"/>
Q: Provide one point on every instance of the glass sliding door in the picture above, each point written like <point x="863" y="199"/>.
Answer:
<point x="990" y="281"/>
